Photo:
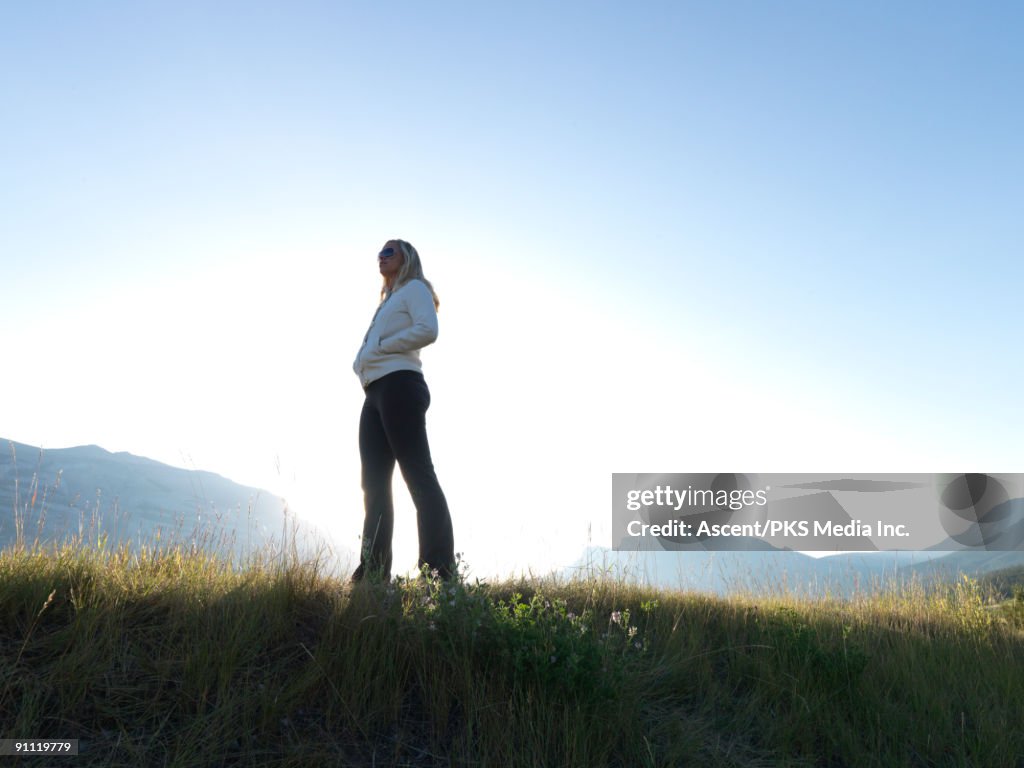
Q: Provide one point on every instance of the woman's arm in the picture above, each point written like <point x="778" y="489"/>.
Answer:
<point x="420" y="304"/>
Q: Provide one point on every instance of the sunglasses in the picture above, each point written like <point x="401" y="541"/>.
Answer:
<point x="387" y="253"/>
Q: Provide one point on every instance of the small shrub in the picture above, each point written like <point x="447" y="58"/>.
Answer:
<point x="537" y="640"/>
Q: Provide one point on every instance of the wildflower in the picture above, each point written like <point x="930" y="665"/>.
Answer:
<point x="616" y="617"/>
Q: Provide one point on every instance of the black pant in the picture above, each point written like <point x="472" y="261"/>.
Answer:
<point x="393" y="426"/>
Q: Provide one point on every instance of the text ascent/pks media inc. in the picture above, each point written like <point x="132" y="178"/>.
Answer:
<point x="765" y="529"/>
<point x="709" y="500"/>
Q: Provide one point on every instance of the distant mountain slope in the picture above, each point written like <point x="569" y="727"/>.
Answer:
<point x="720" y="572"/>
<point x="65" y="492"/>
<point x="763" y="572"/>
<point x="970" y="563"/>
<point x="1005" y="581"/>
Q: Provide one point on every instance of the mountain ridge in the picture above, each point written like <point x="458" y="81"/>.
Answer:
<point x="131" y="499"/>
<point x="725" y="572"/>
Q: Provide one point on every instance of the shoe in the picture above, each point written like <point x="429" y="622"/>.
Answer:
<point x="360" y="574"/>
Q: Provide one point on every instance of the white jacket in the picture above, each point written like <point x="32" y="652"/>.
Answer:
<point x="405" y="322"/>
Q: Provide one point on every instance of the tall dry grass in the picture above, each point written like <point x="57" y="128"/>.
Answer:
<point x="169" y="654"/>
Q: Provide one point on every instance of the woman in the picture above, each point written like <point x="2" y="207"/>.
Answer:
<point x="392" y="426"/>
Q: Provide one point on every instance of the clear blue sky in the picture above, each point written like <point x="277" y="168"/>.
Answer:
<point x="667" y="237"/>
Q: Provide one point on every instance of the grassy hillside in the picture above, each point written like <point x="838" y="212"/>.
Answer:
<point x="174" y="658"/>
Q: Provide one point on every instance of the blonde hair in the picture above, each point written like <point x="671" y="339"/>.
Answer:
<point x="411" y="269"/>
